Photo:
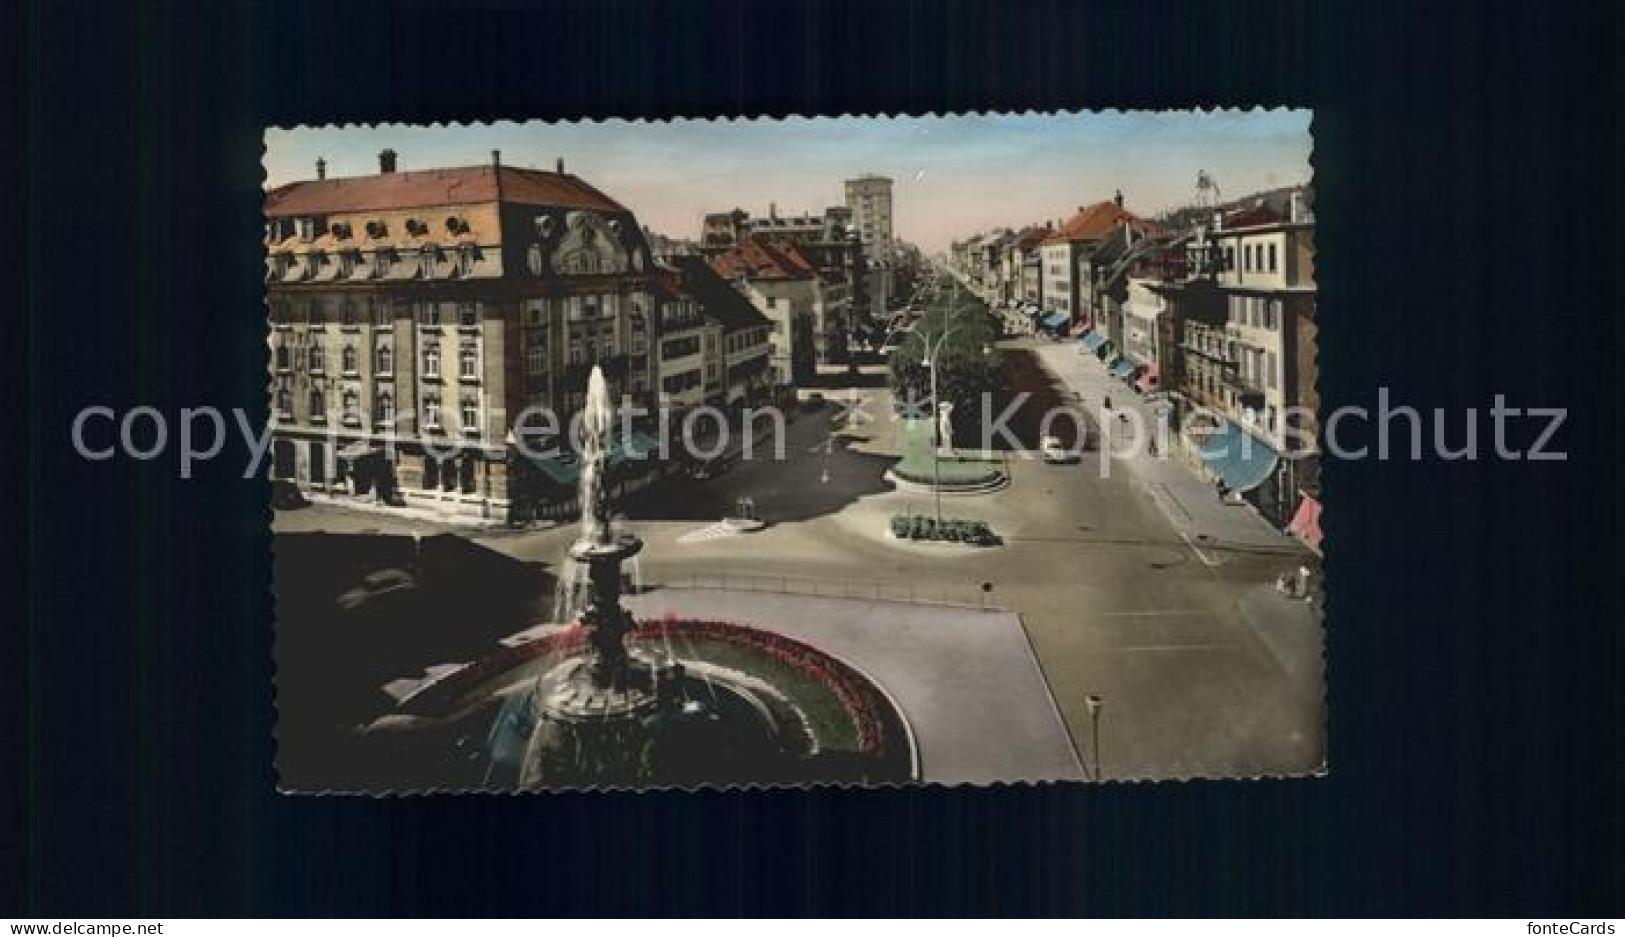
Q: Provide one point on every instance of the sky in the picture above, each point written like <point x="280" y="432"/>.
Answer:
<point x="953" y="176"/>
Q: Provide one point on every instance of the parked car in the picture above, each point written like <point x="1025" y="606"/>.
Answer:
<point x="376" y="585"/>
<point x="1053" y="451"/>
<point x="286" y="496"/>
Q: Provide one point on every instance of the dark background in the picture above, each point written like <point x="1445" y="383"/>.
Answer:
<point x="1467" y="191"/>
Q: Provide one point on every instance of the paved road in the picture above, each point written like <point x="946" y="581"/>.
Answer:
<point x="1203" y="672"/>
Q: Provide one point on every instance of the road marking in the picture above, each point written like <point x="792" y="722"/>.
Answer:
<point x="1167" y="614"/>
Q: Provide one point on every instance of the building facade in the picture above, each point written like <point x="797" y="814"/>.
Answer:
<point x="869" y="198"/>
<point x="1246" y="304"/>
<point x="415" y="315"/>
<point x="1061" y="256"/>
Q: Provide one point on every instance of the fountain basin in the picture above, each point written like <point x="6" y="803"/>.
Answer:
<point x="767" y="709"/>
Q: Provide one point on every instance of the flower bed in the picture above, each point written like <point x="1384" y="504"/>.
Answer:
<point x="947" y="530"/>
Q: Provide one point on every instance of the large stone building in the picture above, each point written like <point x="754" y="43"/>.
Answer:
<point x="869" y="198"/>
<point x="810" y="311"/>
<point x="415" y="315"/>
<point x="1248" y="356"/>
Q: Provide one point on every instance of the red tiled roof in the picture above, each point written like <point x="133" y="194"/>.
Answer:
<point x="466" y="185"/>
<point x="757" y="259"/>
<point x="1096" y="221"/>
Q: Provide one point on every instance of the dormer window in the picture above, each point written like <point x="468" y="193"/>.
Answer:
<point x="456" y="225"/>
<point x="376" y="229"/>
<point x="416" y="228"/>
<point x="306" y="228"/>
<point x="341" y="230"/>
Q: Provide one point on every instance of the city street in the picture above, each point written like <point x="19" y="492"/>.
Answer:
<point x="1202" y="669"/>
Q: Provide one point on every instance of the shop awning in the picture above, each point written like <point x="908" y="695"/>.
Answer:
<point x="1147" y="381"/>
<point x="1056" y="320"/>
<point x="1306" y="522"/>
<point x="1241" y="460"/>
<point x="565" y="467"/>
<point x="1124" y="367"/>
<point x="1093" y="341"/>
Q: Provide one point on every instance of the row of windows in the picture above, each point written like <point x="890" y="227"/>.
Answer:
<point x="1255" y="258"/>
<point x="378" y="263"/>
<point x="680" y="347"/>
<point x="1255" y="311"/>
<point x="383" y="409"/>
<point x="468" y="360"/>
<point x="678" y="383"/>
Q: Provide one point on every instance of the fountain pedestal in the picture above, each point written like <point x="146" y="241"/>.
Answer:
<point x="609" y="681"/>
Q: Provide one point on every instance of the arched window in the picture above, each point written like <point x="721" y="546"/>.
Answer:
<point x="318" y="358"/>
<point x="386" y="359"/>
<point x="349" y="359"/>
<point x="284" y="402"/>
<point x="352" y="407"/>
<point x="318" y="405"/>
<point x="384" y="410"/>
<point x="347" y="314"/>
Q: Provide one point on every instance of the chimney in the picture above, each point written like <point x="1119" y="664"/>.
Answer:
<point x="496" y="157"/>
<point x="1296" y="211"/>
<point x="1218" y="221"/>
<point x="321" y="169"/>
<point x="1119" y="198"/>
<point x="559" y="166"/>
<point x="386" y="161"/>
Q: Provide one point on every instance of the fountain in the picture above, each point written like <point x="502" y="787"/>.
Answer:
<point x="591" y="706"/>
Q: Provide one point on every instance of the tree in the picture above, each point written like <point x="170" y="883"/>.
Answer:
<point x="969" y="363"/>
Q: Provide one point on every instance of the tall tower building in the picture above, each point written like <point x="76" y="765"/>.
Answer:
<point x="869" y="199"/>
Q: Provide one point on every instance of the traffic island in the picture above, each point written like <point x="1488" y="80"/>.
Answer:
<point x="922" y="468"/>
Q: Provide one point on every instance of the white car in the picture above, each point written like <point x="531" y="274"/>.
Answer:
<point x="1051" y="450"/>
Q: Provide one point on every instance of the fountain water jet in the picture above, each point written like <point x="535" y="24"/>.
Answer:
<point x="591" y="706"/>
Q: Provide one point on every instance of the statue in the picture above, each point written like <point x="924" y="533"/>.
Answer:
<point x="945" y="427"/>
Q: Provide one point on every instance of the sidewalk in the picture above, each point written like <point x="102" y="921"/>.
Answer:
<point x="1191" y="504"/>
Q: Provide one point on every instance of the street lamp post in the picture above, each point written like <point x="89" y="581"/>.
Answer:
<point x="933" y="351"/>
